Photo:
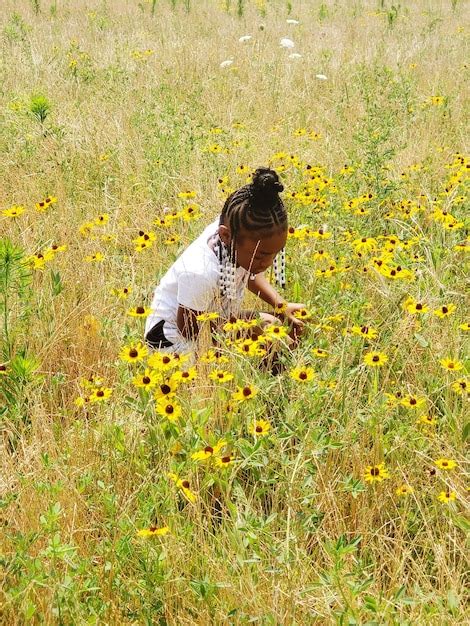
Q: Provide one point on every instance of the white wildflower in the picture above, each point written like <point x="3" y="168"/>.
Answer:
<point x="320" y="76"/>
<point x="286" y="43"/>
<point x="293" y="22"/>
<point x="245" y="38"/>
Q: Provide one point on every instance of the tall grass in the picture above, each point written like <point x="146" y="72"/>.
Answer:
<point x="113" y="109"/>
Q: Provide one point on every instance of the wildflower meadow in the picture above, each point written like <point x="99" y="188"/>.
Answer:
<point x="139" y="487"/>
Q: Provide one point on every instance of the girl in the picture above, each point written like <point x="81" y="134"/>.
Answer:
<point x="211" y="274"/>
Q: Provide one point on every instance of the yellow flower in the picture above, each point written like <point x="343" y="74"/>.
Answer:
<point x="460" y="385"/>
<point x="220" y="376"/>
<point x="375" y="359"/>
<point x="449" y="364"/>
<point x="205" y="317"/>
<point x="164" y="361"/>
<point x="244" y="393"/>
<point x="445" y="310"/>
<point x="213" y="356"/>
<point x="410" y="402"/>
<point x="376" y="473"/>
<point x="153" y="531"/>
<point x="259" y="428"/>
<point x="186" y="194"/>
<point x="185" y="376"/>
<point x="280" y="307"/>
<point x="102" y="219"/>
<point x="445" y="464"/>
<point x="275" y="331"/>
<point x="147" y="380"/>
<point x="121" y="293"/>
<point x="94" y="258"/>
<point x="319" y="352"/>
<point x="302" y="314"/>
<point x="426" y="420"/>
<point x="224" y="461"/>
<point x="364" y="331"/>
<point x="184" y="485"/>
<point x="404" y="490"/>
<point x="14" y="211"/>
<point x="133" y="353"/>
<point x="302" y="374"/>
<point x="447" y="496"/>
<point x="413" y="307"/>
<point x="209" y="451"/>
<point x="465" y="326"/>
<point x="139" y="311"/>
<point x="100" y="395"/>
<point x="169" y="408"/>
<point x="166" y="389"/>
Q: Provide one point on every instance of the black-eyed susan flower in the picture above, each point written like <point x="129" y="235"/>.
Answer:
<point x="153" y="531"/>
<point x="186" y="195"/>
<point x="221" y="376"/>
<point x="445" y="464"/>
<point x="426" y="420"/>
<point x="320" y="353"/>
<point x="451" y="364"/>
<point x="213" y="356"/>
<point x="411" y="402"/>
<point x="465" y="327"/>
<point x="224" y="461"/>
<point x="80" y="401"/>
<point x="447" y="496"/>
<point x="184" y="485"/>
<point x="3" y="369"/>
<point x="162" y="361"/>
<point x="280" y="307"/>
<point x="461" y="385"/>
<point x="445" y="310"/>
<point x="275" y="331"/>
<point x="302" y="314"/>
<point x="302" y="374"/>
<point x="403" y="490"/>
<point x="414" y="307"/>
<point x="133" y="353"/>
<point x="100" y="395"/>
<point x="102" y="219"/>
<point x="244" y="393"/>
<point x="122" y="292"/>
<point x="206" y="317"/>
<point x="185" y="376"/>
<point x="139" y="311"/>
<point x="376" y="473"/>
<point x="169" y="408"/>
<point x="375" y="359"/>
<point x="209" y="451"/>
<point x="147" y="380"/>
<point x="166" y="389"/>
<point x="14" y="211"/>
<point x="172" y="240"/>
<point x="364" y="331"/>
<point x="259" y="428"/>
<point x="97" y="257"/>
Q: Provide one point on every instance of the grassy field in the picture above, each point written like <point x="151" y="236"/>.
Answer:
<point x="336" y="493"/>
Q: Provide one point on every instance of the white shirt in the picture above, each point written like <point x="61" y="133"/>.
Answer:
<point x="193" y="282"/>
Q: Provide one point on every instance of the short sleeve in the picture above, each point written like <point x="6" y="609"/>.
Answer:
<point x="195" y="291"/>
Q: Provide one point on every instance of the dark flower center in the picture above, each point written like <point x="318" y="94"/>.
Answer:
<point x="259" y="429"/>
<point x="209" y="449"/>
<point x="140" y="310"/>
<point x="185" y="484"/>
<point x="133" y="353"/>
<point x="100" y="393"/>
<point x="419" y="307"/>
<point x="169" y="409"/>
<point x="165" y="389"/>
<point x="303" y="375"/>
<point x="375" y="471"/>
<point x="445" y="309"/>
<point x="375" y="358"/>
<point x="166" y="360"/>
<point x="246" y="391"/>
<point x="146" y="380"/>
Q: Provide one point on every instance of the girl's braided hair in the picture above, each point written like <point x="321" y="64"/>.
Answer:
<point x="256" y="206"/>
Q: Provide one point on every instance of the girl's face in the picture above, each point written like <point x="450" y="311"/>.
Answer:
<point x="255" y="252"/>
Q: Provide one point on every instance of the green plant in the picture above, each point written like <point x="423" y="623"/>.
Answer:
<point x="40" y="107"/>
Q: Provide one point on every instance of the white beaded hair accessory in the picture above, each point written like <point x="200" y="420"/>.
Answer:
<point x="227" y="267"/>
<point x="279" y="266"/>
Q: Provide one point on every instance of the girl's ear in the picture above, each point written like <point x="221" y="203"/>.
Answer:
<point x="224" y="234"/>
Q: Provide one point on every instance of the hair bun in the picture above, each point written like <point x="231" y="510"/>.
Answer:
<point x="266" y="182"/>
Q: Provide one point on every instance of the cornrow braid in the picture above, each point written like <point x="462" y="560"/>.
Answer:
<point x="256" y="206"/>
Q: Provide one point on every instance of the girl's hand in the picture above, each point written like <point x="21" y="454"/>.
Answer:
<point x="291" y="308"/>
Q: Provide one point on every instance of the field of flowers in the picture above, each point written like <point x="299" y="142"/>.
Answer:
<point x="136" y="488"/>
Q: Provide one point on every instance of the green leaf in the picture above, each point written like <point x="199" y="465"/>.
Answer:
<point x="466" y="431"/>
<point x="424" y="343"/>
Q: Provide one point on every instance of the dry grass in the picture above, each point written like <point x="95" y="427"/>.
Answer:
<point x="303" y="539"/>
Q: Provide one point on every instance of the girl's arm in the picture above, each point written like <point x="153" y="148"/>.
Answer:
<point x="261" y="287"/>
